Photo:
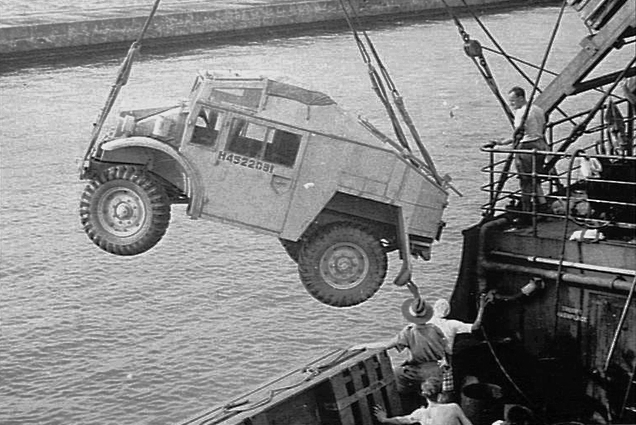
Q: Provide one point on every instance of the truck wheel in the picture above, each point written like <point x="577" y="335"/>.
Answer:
<point x="291" y="248"/>
<point x="125" y="211"/>
<point x="342" y="264"/>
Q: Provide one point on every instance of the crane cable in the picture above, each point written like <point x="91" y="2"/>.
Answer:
<point x="473" y="50"/>
<point x="376" y="82"/>
<point x="381" y="85"/>
<point x="122" y="80"/>
<point x="509" y="58"/>
<point x="398" y="100"/>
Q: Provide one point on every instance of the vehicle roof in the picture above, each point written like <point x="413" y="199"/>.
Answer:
<point x="274" y="86"/>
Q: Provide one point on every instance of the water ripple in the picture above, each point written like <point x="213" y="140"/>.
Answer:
<point x="92" y="338"/>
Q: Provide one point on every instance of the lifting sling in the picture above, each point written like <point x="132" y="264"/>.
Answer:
<point x="381" y="85"/>
<point x="122" y="79"/>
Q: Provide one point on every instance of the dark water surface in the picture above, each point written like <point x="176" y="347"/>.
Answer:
<point x="90" y="338"/>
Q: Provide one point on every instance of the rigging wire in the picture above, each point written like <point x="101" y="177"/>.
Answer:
<point x="473" y="49"/>
<point x="504" y="371"/>
<point x="518" y="132"/>
<point x="122" y="80"/>
<point x="502" y="52"/>
<point x="376" y="81"/>
<point x="581" y="127"/>
<point x="384" y="84"/>
<point x="399" y="103"/>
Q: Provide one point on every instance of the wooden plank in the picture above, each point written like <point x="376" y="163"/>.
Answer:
<point x="395" y="403"/>
<point x="372" y="364"/>
<point x="339" y="388"/>
<point x="361" y="392"/>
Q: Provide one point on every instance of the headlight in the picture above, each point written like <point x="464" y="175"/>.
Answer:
<point x="125" y="126"/>
<point x="161" y="128"/>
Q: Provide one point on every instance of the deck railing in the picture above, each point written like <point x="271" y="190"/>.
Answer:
<point x="593" y="181"/>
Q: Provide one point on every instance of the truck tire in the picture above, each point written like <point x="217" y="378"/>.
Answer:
<point x="125" y="211"/>
<point x="342" y="264"/>
<point x="291" y="248"/>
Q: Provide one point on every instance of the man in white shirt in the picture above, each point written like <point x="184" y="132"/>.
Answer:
<point x="450" y="328"/>
<point x="533" y="138"/>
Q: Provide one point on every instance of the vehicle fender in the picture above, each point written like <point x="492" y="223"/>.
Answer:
<point x="140" y="150"/>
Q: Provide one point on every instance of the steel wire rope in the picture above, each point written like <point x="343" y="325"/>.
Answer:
<point x="122" y="80"/>
<point x="519" y="130"/>
<point x="398" y="100"/>
<point x="531" y="65"/>
<point x="508" y="57"/>
<point x="506" y="374"/>
<point x="376" y="81"/>
<point x="473" y="49"/>
<point x="399" y="103"/>
<point x="580" y="128"/>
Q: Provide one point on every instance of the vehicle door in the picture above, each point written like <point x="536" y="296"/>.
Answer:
<point x="249" y="170"/>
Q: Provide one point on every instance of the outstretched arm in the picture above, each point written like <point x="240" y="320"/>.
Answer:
<point x="483" y="300"/>
<point x="378" y="344"/>
<point x="380" y="415"/>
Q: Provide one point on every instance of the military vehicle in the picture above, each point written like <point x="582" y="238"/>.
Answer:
<point x="263" y="154"/>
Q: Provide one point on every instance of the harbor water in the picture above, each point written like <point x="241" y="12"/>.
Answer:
<point x="87" y="337"/>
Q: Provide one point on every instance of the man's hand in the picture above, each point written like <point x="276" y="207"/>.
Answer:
<point x="497" y="142"/>
<point x="487" y="298"/>
<point x="379" y="413"/>
<point x="443" y="364"/>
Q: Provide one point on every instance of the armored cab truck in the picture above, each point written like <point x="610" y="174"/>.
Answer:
<point x="273" y="157"/>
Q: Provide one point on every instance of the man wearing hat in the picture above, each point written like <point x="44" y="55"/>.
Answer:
<point x="426" y="350"/>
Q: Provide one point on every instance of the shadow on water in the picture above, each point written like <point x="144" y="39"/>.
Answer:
<point x="167" y="47"/>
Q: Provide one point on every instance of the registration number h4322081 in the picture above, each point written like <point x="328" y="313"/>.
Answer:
<point x="245" y="161"/>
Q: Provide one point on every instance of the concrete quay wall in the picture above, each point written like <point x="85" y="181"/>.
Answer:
<point x="45" y="34"/>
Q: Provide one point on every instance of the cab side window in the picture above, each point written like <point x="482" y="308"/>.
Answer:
<point x="264" y="143"/>
<point x="246" y="138"/>
<point x="206" y="128"/>
<point x="283" y="148"/>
